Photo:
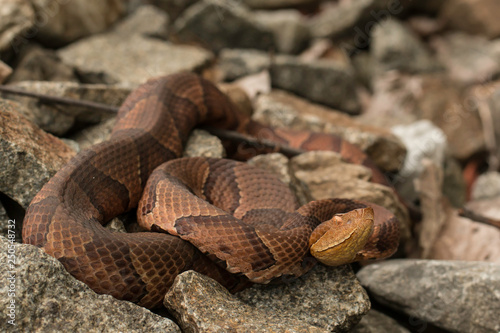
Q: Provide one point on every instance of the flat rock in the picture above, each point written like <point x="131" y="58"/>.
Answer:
<point x="323" y="175"/>
<point x="16" y="17"/>
<point x="108" y="58"/>
<point x="395" y="47"/>
<point x="202" y="143"/>
<point x="454" y="295"/>
<point x="487" y="186"/>
<point x="336" y="88"/>
<point x="291" y="34"/>
<point x="281" y="109"/>
<point x="49" y="299"/>
<point x="5" y="71"/>
<point x="59" y="118"/>
<point x="218" y="24"/>
<point x="377" y="322"/>
<point x="59" y="23"/>
<point x="469" y="59"/>
<point x="472" y="16"/>
<point x="201" y="304"/>
<point x="30" y="156"/>
<point x="36" y="63"/>
<point x="273" y="4"/>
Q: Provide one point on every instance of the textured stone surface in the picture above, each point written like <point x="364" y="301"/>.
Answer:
<point x="269" y="4"/>
<point x="172" y="7"/>
<point x="377" y="322"/>
<point x="469" y="59"/>
<point x="234" y="63"/>
<point x="5" y="71"/>
<point x="324" y="175"/>
<point x="291" y="34"/>
<point x="30" y="156"/>
<point x="395" y="47"/>
<point x="202" y="143"/>
<point x="200" y="304"/>
<point x="473" y="16"/>
<point x="301" y="77"/>
<point x="281" y="109"/>
<point x="49" y="299"/>
<point x="59" y="118"/>
<point x="38" y="64"/>
<point x="454" y="295"/>
<point x="61" y="22"/>
<point x="487" y="186"/>
<point x="207" y="23"/>
<point x="16" y="17"/>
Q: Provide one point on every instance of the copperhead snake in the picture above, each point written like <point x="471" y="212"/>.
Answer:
<point x="225" y="219"/>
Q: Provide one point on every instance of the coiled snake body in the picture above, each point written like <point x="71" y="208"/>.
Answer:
<point x="243" y="220"/>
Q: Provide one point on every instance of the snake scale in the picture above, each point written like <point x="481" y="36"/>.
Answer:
<point x="225" y="219"/>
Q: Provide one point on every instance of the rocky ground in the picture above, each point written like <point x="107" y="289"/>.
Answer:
<point x="413" y="83"/>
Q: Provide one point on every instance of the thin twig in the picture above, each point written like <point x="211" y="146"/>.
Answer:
<point x="465" y="212"/>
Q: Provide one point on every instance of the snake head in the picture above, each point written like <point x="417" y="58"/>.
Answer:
<point x="337" y="241"/>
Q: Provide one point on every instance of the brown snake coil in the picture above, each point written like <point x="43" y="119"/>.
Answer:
<point x="253" y="229"/>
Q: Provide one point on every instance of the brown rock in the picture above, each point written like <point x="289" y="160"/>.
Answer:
<point x="5" y="71"/>
<point x="30" y="156"/>
<point x="377" y="322"/>
<point x="473" y="16"/>
<point x="16" y="17"/>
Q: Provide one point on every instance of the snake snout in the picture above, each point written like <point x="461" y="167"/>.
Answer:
<point x="338" y="240"/>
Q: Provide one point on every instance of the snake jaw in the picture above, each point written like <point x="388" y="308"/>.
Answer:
<point x="338" y="240"/>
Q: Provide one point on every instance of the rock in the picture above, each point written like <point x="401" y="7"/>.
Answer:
<point x="402" y="99"/>
<point x="30" y="156"/>
<point x="323" y="175"/>
<point x="218" y="24"/>
<point x="454" y="187"/>
<point x="377" y="322"/>
<point x="145" y="20"/>
<point x="487" y="186"/>
<point x="472" y="16"/>
<point x="454" y="295"/>
<point x="291" y="34"/>
<point x="59" y="118"/>
<point x="16" y="17"/>
<point x="109" y="58"/>
<point x="280" y="109"/>
<point x="94" y="134"/>
<point x="4" y="222"/>
<point x="172" y="7"/>
<point x="48" y="299"/>
<point x="422" y="140"/>
<point x="468" y="59"/>
<point x="199" y="303"/>
<point x="60" y="23"/>
<point x="273" y="4"/>
<point x="235" y="63"/>
<point x="202" y="143"/>
<point x="355" y="17"/>
<point x="5" y="71"/>
<point x="463" y="239"/>
<point x="335" y="89"/>
<point x="38" y="64"/>
<point x="395" y="47"/>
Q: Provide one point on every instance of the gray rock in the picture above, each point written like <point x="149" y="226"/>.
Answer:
<point x="487" y="186"/>
<point x="218" y="24"/>
<point x="59" y="118"/>
<point x="422" y="140"/>
<point x="202" y="143"/>
<point x="4" y="222"/>
<point x="477" y="17"/>
<point x="5" y="71"/>
<point x="323" y="175"/>
<point x="172" y="7"/>
<point x="468" y="59"/>
<point x="201" y="304"/>
<point x="455" y="295"/>
<point x="59" y="23"/>
<point x="291" y="34"/>
<point x="395" y="47"/>
<point x="48" y="299"/>
<point x="322" y="81"/>
<point x="454" y="187"/>
<point x="30" y="156"/>
<point x="377" y="322"/>
<point x="272" y="4"/>
<point x="16" y="17"/>
<point x="94" y="134"/>
<point x="145" y="20"/>
<point x="235" y="63"/>
<point x="38" y="64"/>
<point x="280" y="109"/>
